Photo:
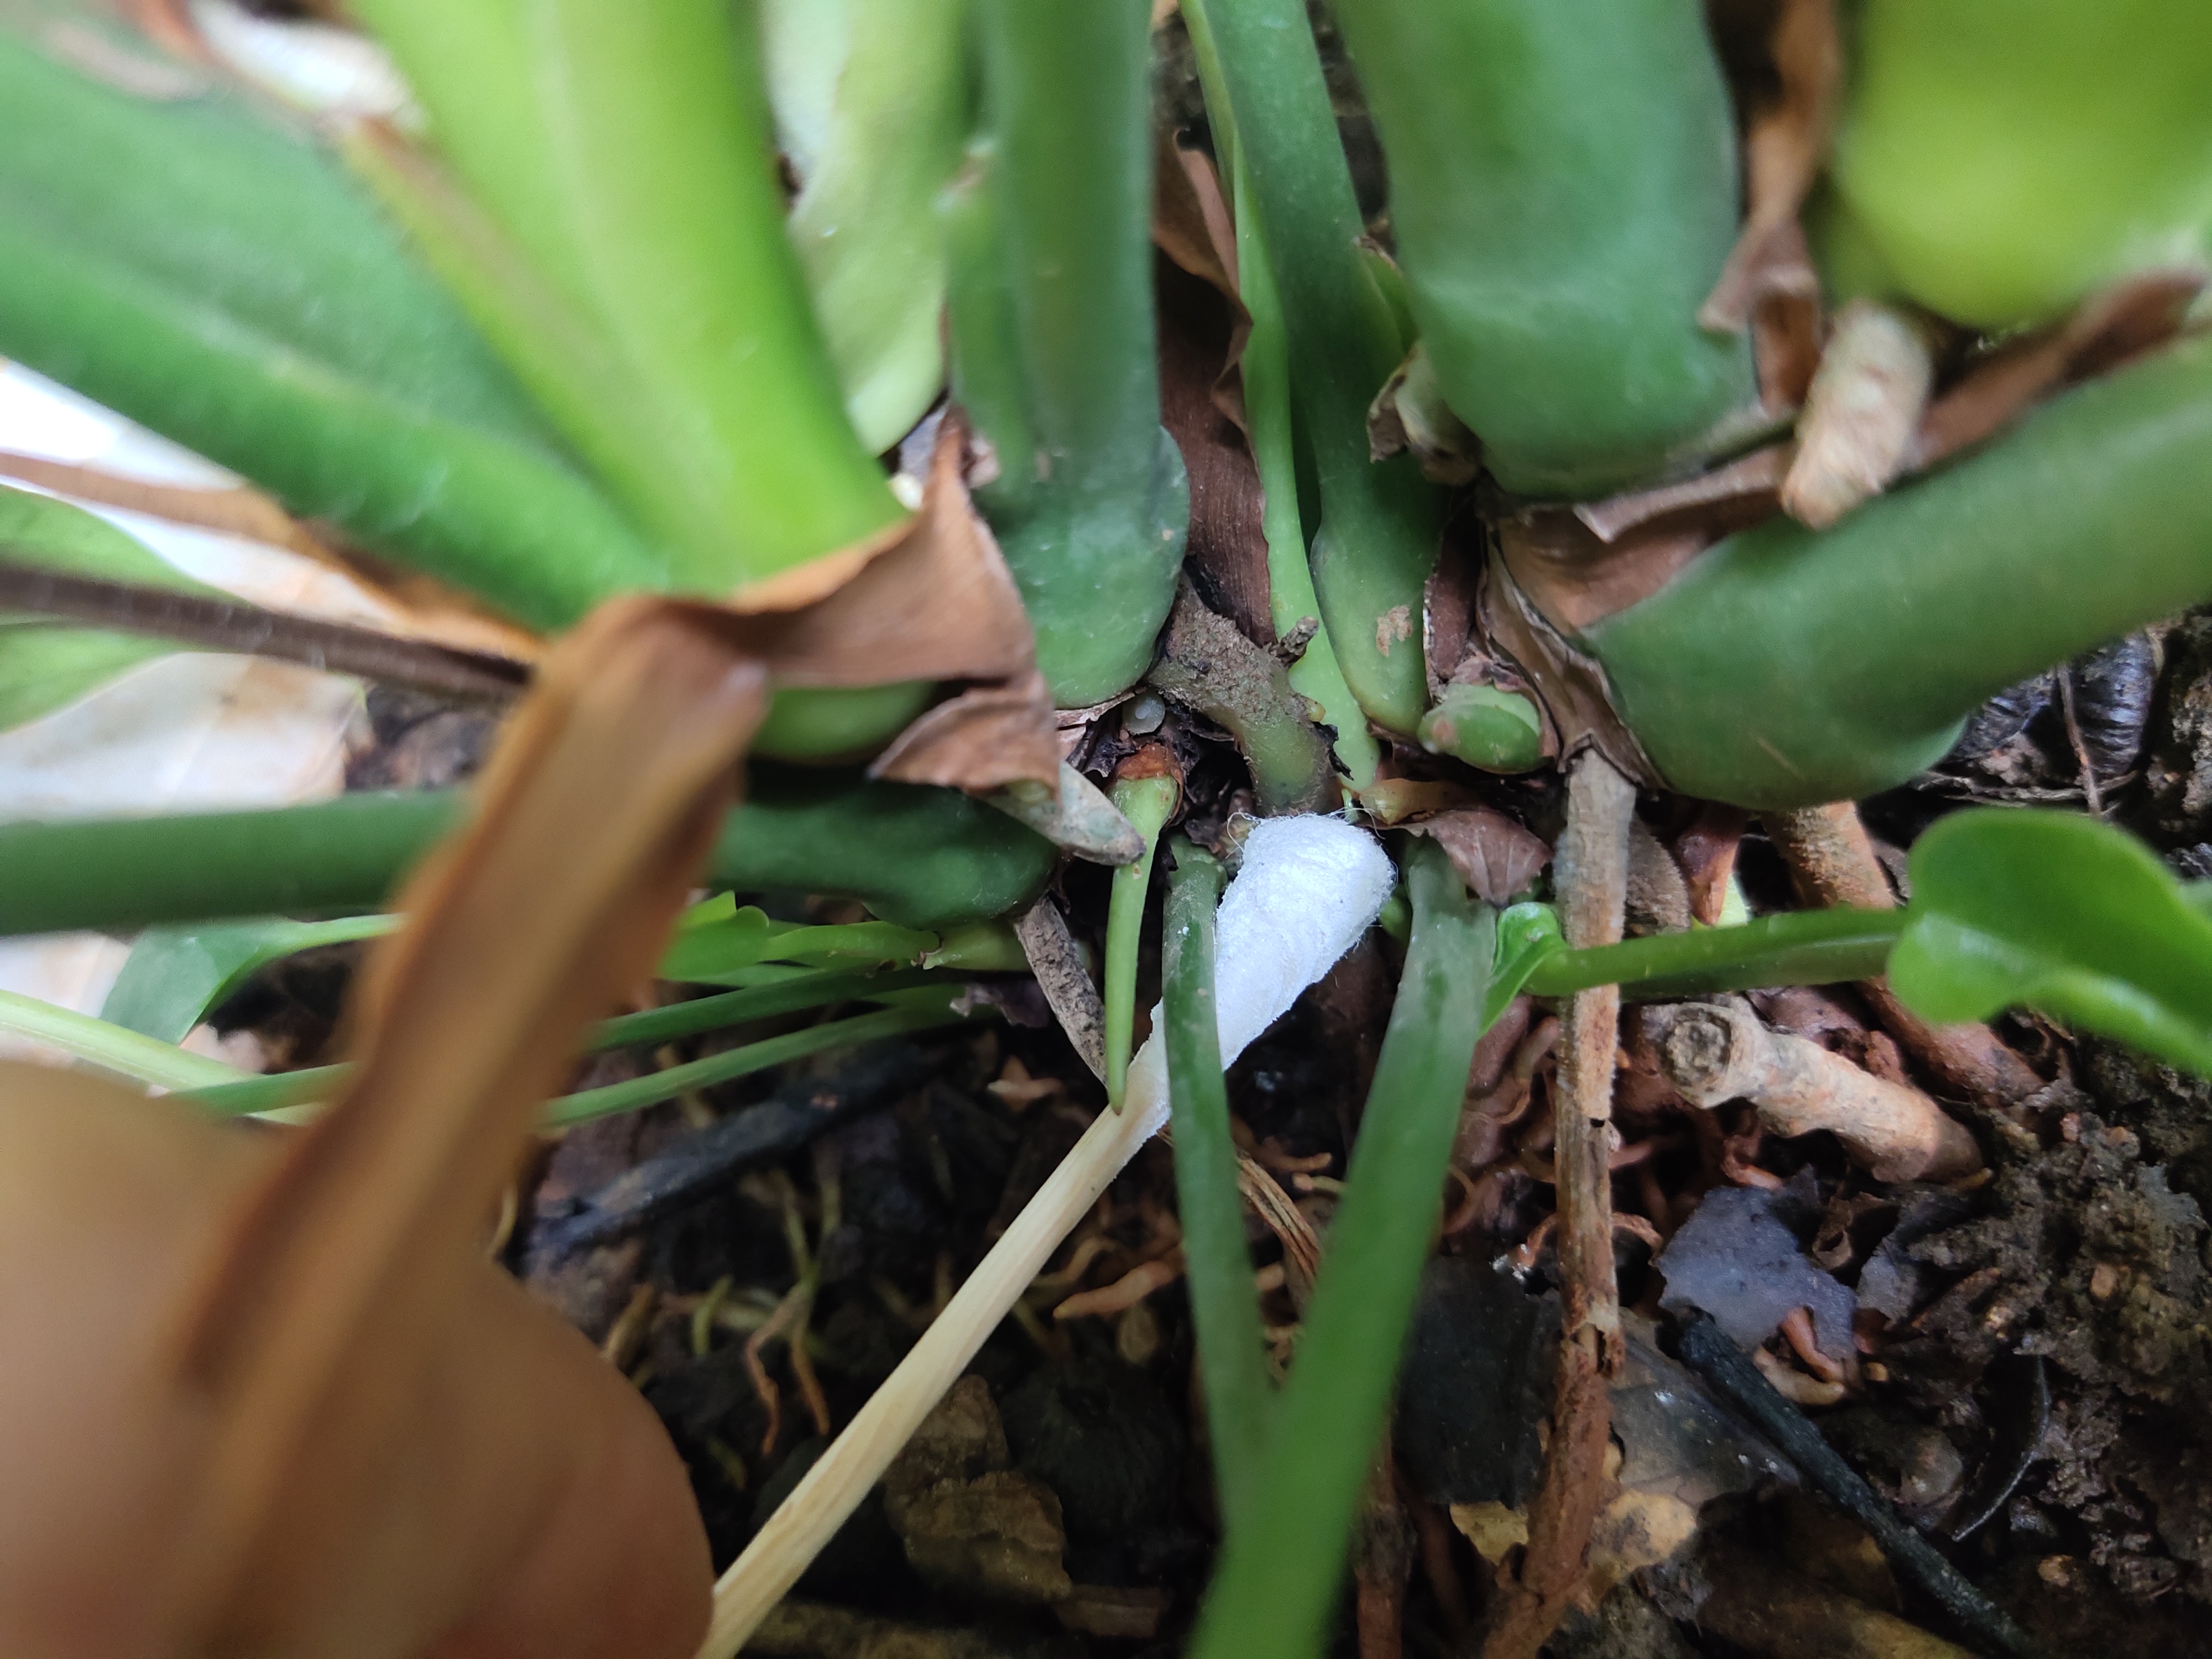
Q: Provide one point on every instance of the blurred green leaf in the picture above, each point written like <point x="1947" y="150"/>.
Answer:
<point x="2064" y="915"/>
<point x="47" y="664"/>
<point x="871" y="156"/>
<point x="174" y="976"/>
<point x="184" y="257"/>
<point x="718" y="940"/>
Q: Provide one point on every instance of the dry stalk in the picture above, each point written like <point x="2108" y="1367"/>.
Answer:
<point x="1593" y="880"/>
<point x="834" y="1487"/>
<point x="1714" y="1052"/>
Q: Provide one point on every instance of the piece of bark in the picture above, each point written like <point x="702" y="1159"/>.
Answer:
<point x="1227" y="548"/>
<point x="1658" y="895"/>
<point x="1770" y="1612"/>
<point x="1593" y="879"/>
<point x="1715" y="1053"/>
<point x="1207" y="664"/>
<point x="1384" y="1544"/>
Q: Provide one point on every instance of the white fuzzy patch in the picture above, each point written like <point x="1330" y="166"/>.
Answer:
<point x="1308" y="889"/>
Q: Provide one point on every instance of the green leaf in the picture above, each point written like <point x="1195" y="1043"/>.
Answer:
<point x="716" y="941"/>
<point x="188" y="261"/>
<point x="47" y="664"/>
<point x="2061" y="914"/>
<point x="1528" y="937"/>
<point x="880" y="148"/>
<point x="173" y="975"/>
<point x="624" y="149"/>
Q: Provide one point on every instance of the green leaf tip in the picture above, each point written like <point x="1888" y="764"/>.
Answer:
<point x="2064" y="915"/>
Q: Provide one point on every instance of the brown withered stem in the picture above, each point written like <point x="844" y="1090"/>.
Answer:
<point x="1593" y="881"/>
<point x="1713" y="1053"/>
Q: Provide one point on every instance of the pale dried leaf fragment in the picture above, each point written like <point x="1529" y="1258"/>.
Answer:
<point x="1865" y="405"/>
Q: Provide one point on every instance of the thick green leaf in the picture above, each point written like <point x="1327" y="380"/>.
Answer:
<point x="874" y="153"/>
<point x="2061" y="914"/>
<point x="192" y="263"/>
<point x="623" y="150"/>
<point x="174" y="975"/>
<point x="45" y="665"/>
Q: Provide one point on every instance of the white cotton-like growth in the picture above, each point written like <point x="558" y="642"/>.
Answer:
<point x="1307" y="888"/>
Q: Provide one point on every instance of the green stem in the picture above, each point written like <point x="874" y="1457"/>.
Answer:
<point x="922" y="858"/>
<point x="1147" y="803"/>
<point x="1225" y="1308"/>
<point x="240" y="1094"/>
<point x="1280" y="1572"/>
<point x="761" y="1056"/>
<point x="1053" y="338"/>
<point x="1785" y="668"/>
<point x="1265" y="368"/>
<point x="106" y="1047"/>
<point x="1380" y="522"/>
<point x="1563" y="186"/>
<point x="1799" y="947"/>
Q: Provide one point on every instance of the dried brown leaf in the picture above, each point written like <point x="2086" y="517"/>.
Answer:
<point x="1569" y="684"/>
<point x="1191" y="220"/>
<point x="1227" y="550"/>
<point x="1861" y="412"/>
<point x="242" y="511"/>
<point x="1784" y="144"/>
<point x="2136" y="315"/>
<point x="1495" y="856"/>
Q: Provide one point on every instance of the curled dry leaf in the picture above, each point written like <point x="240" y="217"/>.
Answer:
<point x="342" y="1419"/>
<point x="1495" y="856"/>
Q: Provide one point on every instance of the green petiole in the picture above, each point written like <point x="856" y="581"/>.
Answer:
<point x="238" y="1095"/>
<point x="1563" y="184"/>
<point x="108" y="1048"/>
<point x="1147" y="803"/>
<point x="1053" y="359"/>
<point x="925" y="857"/>
<point x="1282" y="1564"/>
<point x="1239" y="1399"/>
<point x="1785" y="668"/>
<point x="1376" y="537"/>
